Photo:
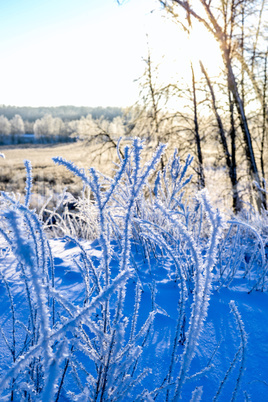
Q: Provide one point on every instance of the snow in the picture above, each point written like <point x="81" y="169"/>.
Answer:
<point x="167" y="303"/>
<point x="217" y="345"/>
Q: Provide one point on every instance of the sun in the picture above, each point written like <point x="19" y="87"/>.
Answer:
<point x="202" y="46"/>
<point x="173" y="50"/>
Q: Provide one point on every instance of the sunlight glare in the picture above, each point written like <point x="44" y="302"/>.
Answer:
<point x="200" y="45"/>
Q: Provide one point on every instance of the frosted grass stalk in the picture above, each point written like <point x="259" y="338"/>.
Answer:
<point x="243" y="343"/>
<point x="136" y="186"/>
<point x="57" y="334"/>
<point x="96" y="189"/>
<point x="53" y="372"/>
<point x="25" y="255"/>
<point x="256" y="234"/>
<point x="173" y="176"/>
<point x="216" y="226"/>
<point x="12" y="308"/>
<point x="73" y="169"/>
<point x="52" y="269"/>
<point x="137" y="183"/>
<point x="142" y="333"/>
<point x="136" y="310"/>
<point x="161" y="241"/>
<point x="197" y="394"/>
<point x="203" y="277"/>
<point x="232" y="365"/>
<point x="88" y="261"/>
<point x="37" y="233"/>
<point x="29" y="179"/>
<point x="241" y="350"/>
<point x="102" y="201"/>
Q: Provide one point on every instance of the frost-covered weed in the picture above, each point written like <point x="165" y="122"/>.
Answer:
<point x="98" y="329"/>
<point x="240" y="354"/>
<point x="94" y="348"/>
<point x="243" y="257"/>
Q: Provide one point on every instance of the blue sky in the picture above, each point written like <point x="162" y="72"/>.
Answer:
<point x="80" y="52"/>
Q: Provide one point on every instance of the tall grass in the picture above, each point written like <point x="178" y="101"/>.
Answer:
<point x="93" y="348"/>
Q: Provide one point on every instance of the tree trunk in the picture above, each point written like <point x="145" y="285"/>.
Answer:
<point x="213" y="27"/>
<point x="154" y="100"/>
<point x="229" y="159"/>
<point x="264" y="127"/>
<point x="244" y="127"/>
<point x="236" y="198"/>
<point x="201" y="176"/>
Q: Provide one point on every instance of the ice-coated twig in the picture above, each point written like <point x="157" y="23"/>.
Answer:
<point x="61" y="331"/>
<point x="240" y="352"/>
<point x="256" y="234"/>
<point x="29" y="179"/>
<point x="79" y="172"/>
<point x="12" y="308"/>
<point x="232" y="365"/>
<point x="203" y="277"/>
<point x="53" y="372"/>
<point x="197" y="394"/>
<point x="243" y="343"/>
<point x="25" y="254"/>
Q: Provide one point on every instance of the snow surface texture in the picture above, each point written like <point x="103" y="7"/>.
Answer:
<point x="168" y="302"/>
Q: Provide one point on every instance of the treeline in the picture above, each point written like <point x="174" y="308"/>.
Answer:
<point x="66" y="113"/>
<point x="63" y="124"/>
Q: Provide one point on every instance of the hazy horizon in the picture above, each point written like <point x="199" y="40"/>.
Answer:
<point x="61" y="105"/>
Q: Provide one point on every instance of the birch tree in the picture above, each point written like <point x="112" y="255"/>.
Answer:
<point x="5" y="126"/>
<point x="17" y="125"/>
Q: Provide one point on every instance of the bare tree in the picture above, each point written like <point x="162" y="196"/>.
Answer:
<point x="230" y="158"/>
<point x="264" y="123"/>
<point x="200" y="171"/>
<point x="216" y="25"/>
<point x="154" y="97"/>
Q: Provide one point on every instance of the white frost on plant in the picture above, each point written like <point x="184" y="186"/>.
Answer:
<point x="96" y="337"/>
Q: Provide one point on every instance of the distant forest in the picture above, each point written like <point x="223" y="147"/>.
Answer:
<point x="20" y="125"/>
<point x="66" y="113"/>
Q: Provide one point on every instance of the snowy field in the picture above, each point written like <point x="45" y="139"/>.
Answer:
<point x="137" y="295"/>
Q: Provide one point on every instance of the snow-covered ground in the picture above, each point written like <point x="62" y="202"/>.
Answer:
<point x="215" y="350"/>
<point x="167" y="302"/>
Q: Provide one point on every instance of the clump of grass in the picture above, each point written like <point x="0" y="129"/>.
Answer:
<point x="92" y="344"/>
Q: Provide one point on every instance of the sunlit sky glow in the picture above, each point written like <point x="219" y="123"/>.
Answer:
<point x="88" y="52"/>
